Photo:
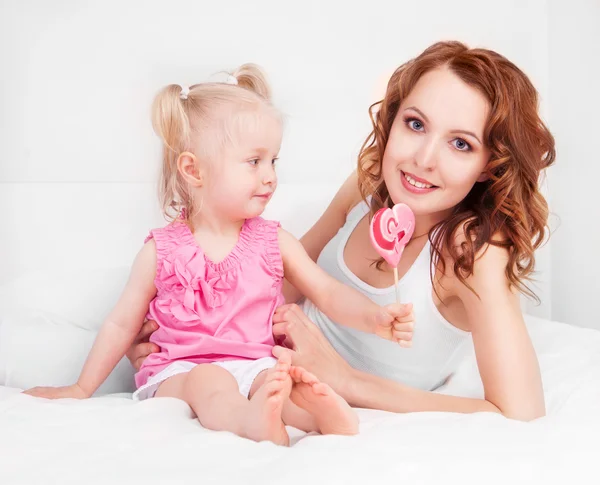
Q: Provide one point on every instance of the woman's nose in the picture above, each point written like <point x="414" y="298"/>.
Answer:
<point x="426" y="156"/>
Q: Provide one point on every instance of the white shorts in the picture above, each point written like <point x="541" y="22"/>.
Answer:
<point x="243" y="371"/>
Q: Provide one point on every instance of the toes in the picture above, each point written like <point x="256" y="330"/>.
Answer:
<point x="296" y="374"/>
<point x="282" y="366"/>
<point x="277" y="375"/>
<point x="285" y="359"/>
<point x="309" y="378"/>
<point x="273" y="387"/>
<point x="321" y="388"/>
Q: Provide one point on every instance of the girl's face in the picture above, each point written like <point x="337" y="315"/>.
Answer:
<point x="240" y="183"/>
<point x="435" y="152"/>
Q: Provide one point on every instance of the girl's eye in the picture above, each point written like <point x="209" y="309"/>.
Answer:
<point x="254" y="162"/>
<point x="415" y="124"/>
<point x="274" y="161"/>
<point x="461" y="145"/>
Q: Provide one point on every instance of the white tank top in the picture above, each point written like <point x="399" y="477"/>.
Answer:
<point x="437" y="344"/>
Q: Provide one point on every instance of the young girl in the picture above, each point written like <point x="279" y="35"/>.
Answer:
<point x="213" y="277"/>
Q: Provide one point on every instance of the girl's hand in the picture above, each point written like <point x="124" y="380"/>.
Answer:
<point x="396" y="323"/>
<point x="66" y="392"/>
<point x="141" y="346"/>
<point x="309" y="348"/>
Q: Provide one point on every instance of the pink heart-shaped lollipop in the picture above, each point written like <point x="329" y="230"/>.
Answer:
<point x="391" y="229"/>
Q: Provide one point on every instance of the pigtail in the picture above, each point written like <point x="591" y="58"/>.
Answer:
<point x="171" y="123"/>
<point x="251" y="77"/>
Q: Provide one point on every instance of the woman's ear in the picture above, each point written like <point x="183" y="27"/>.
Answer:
<point x="483" y="177"/>
<point x="189" y="168"/>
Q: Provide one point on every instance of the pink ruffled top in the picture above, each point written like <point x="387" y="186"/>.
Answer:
<point x="210" y="311"/>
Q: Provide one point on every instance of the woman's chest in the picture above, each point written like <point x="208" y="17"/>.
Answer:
<point x="360" y="259"/>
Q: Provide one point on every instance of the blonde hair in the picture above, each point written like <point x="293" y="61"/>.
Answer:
<point x="210" y="109"/>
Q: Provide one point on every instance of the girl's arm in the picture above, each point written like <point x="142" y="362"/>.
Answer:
<point x="313" y="241"/>
<point x="505" y="356"/>
<point x="118" y="330"/>
<point x="338" y="301"/>
<point x="326" y="227"/>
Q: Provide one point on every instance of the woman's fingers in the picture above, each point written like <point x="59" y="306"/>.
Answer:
<point x="140" y="351"/>
<point x="280" y="329"/>
<point x="293" y="313"/>
<point x="285" y="312"/>
<point x="149" y="327"/>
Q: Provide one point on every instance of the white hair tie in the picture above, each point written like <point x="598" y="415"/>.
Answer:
<point x="231" y="80"/>
<point x="185" y="90"/>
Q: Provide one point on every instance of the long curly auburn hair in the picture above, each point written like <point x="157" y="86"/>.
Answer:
<point x="509" y="204"/>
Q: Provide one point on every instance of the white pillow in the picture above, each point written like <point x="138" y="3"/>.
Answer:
<point x="569" y="360"/>
<point x="48" y="324"/>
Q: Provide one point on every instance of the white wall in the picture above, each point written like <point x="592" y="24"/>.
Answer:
<point x="79" y="76"/>
<point x="574" y="46"/>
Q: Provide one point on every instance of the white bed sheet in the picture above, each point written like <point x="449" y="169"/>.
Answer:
<point x="111" y="439"/>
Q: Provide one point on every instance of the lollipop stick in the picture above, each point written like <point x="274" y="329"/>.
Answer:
<point x="396" y="284"/>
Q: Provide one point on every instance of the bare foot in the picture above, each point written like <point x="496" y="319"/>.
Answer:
<point x="332" y="413"/>
<point x="264" y="418"/>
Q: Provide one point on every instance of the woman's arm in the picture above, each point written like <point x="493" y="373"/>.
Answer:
<point x="310" y="349"/>
<point x="118" y="330"/>
<point x="505" y="355"/>
<point x="326" y="227"/>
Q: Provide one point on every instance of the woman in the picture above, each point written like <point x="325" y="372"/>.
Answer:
<point x="458" y="138"/>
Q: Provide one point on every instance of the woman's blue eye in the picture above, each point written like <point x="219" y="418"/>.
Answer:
<point x="461" y="145"/>
<point x="415" y="125"/>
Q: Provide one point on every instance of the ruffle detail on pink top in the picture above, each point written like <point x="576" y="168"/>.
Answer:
<point x="187" y="276"/>
<point x="266" y="235"/>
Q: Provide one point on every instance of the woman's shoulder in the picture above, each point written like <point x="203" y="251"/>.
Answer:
<point x="482" y="291"/>
<point x="490" y="261"/>
<point x="349" y="193"/>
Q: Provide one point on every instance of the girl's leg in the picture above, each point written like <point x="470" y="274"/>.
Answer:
<point x="213" y="395"/>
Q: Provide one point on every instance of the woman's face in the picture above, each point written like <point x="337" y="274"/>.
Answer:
<point x="435" y="152"/>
